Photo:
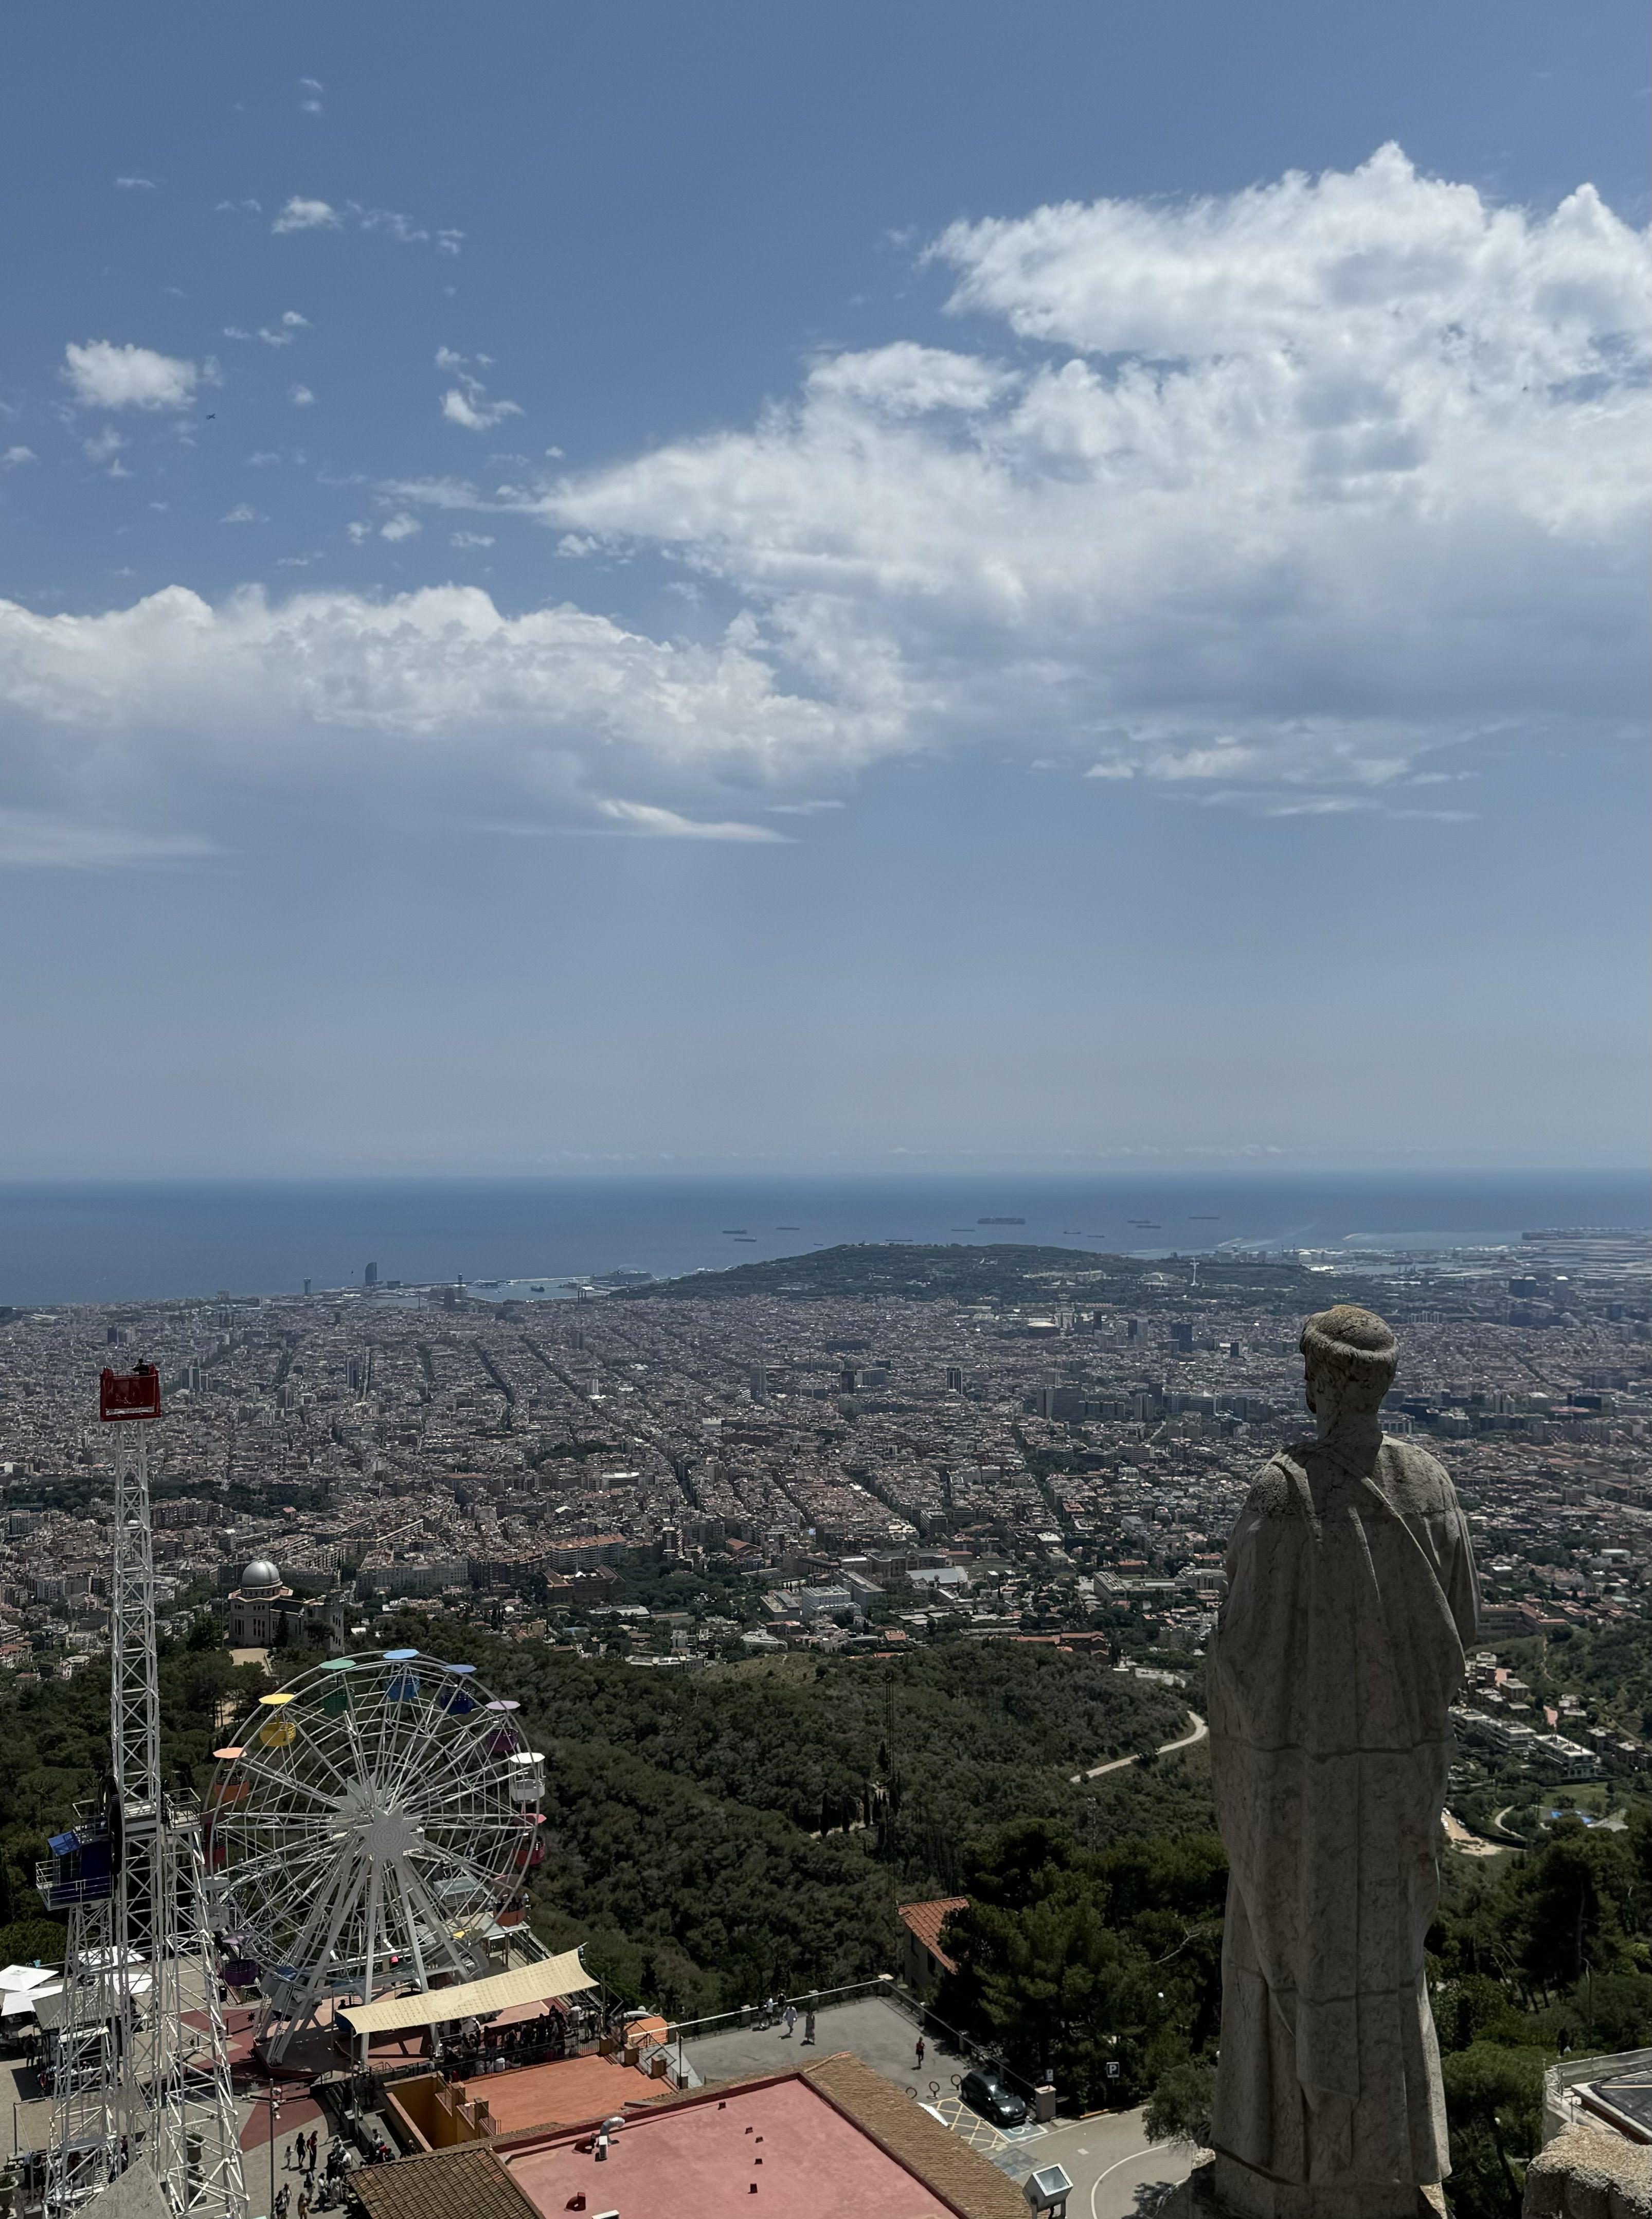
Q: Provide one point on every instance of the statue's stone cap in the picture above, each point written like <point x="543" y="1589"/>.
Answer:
<point x="1353" y="1349"/>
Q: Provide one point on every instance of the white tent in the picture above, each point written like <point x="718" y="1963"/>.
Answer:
<point x="526" y="1984"/>
<point x="28" y="1976"/>
<point x="14" y="2001"/>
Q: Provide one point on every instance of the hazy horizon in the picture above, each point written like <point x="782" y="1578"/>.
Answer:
<point x="129" y="1240"/>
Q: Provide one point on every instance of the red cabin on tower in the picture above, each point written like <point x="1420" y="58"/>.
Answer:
<point x="129" y="1393"/>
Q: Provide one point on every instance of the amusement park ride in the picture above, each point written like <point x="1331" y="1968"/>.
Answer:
<point x="370" y="1829"/>
<point x="142" y="2073"/>
<point x="373" y="1822"/>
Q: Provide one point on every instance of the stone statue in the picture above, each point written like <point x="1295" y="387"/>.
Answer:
<point x="1338" y="1651"/>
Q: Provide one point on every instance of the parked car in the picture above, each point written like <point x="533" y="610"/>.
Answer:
<point x="984" y="2092"/>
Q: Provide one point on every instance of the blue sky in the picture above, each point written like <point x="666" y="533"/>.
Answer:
<point x="633" y="584"/>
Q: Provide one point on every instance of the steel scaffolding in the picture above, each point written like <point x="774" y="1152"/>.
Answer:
<point x="142" y="2074"/>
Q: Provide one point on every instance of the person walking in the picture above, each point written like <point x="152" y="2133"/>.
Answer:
<point x="790" y="2020"/>
<point x="918" y="2066"/>
<point x="808" y="2028"/>
<point x="283" y="2198"/>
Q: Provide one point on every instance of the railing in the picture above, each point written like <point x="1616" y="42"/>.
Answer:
<point x="58" y="1895"/>
<point x="884" y="1986"/>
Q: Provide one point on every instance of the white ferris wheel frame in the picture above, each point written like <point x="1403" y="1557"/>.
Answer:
<point x="366" y="1829"/>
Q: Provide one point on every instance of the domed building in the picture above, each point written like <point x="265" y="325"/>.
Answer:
<point x="256" y="1607"/>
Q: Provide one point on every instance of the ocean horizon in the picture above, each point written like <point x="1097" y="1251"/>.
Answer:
<point x="105" y="1241"/>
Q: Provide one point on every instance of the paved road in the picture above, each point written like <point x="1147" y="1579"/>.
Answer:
<point x="1166" y="1748"/>
<point x="1117" y="2173"/>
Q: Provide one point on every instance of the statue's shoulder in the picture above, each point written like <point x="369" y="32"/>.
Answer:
<point x="1280" y="1488"/>
<point x="1414" y="1480"/>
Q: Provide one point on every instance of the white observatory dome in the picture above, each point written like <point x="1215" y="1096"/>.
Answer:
<point x="260" y="1573"/>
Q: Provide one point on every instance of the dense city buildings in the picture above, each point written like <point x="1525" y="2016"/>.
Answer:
<point x="853" y="1448"/>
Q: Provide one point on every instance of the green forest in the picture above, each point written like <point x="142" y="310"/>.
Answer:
<point x="1081" y="1957"/>
<point x="716" y="1836"/>
<point x="1009" y="1271"/>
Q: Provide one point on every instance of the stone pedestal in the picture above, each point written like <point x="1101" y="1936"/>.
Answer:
<point x="1222" y="2189"/>
<point x="1590" y="2173"/>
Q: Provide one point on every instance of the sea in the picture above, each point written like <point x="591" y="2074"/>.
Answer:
<point x="541" y="1238"/>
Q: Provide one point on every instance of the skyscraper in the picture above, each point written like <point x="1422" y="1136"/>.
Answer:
<point x="370" y="1276"/>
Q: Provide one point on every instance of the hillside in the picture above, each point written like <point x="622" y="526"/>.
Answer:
<point x="1006" y="1271"/>
<point x="712" y="1834"/>
<point x="719" y="1833"/>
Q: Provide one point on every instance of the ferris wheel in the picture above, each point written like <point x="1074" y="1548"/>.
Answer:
<point x="368" y="1827"/>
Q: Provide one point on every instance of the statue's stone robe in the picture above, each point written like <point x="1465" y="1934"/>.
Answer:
<point x="1338" y="1651"/>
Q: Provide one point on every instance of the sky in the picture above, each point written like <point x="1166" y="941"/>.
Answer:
<point x="585" y="587"/>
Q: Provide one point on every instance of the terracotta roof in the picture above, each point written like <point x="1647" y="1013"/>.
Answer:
<point x="926" y="1920"/>
<point x="561" y="2092"/>
<point x="957" y="2176"/>
<point x="467" y="2183"/>
<point x="941" y="2159"/>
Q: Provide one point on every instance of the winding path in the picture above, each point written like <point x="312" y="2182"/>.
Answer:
<point x="1165" y="1749"/>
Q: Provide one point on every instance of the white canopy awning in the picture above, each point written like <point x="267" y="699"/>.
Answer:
<point x="526" y="1984"/>
<point x="16" y="2001"/>
<point x="29" y="1976"/>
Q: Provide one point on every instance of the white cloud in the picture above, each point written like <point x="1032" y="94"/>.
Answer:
<point x="656" y="823"/>
<point x="136" y="184"/>
<point x="1263" y="501"/>
<point x="29" y="838"/>
<point x="301" y="396"/>
<point x="241" y="513"/>
<point x="1293" y="486"/>
<point x="399" y="526"/>
<point x="904" y="380"/>
<point x="104" y="446"/>
<point x="299" y="214"/>
<point x="472" y="410"/>
<point x="1379" y="254"/>
<point x="436" y="698"/>
<point x="471" y="539"/>
<point x="13" y="455"/>
<point x="103" y="376"/>
<point x="293" y="321"/>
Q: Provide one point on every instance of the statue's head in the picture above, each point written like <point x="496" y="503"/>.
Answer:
<point x="1349" y="1354"/>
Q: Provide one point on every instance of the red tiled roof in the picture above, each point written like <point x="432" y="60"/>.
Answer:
<point x="926" y="1921"/>
<point x="467" y="2183"/>
<point x="683" y="2170"/>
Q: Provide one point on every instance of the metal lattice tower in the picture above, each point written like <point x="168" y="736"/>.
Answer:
<point x="144" y="2067"/>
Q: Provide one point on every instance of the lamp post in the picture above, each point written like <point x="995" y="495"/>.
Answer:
<point x="272" y="2098"/>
